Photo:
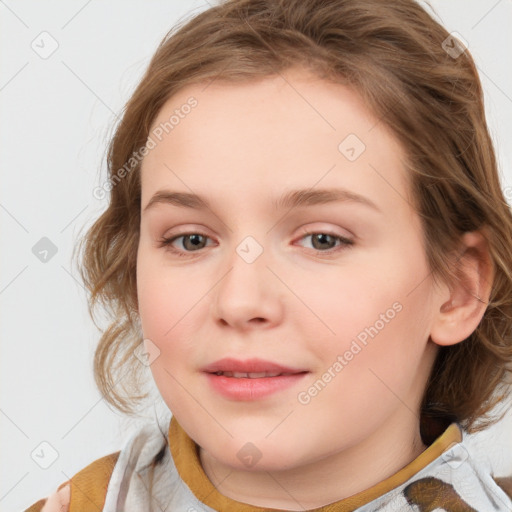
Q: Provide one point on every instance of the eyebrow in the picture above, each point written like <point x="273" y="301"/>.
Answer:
<point x="290" y="199"/>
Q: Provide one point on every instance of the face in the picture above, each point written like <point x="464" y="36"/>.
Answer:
<point x="289" y="326"/>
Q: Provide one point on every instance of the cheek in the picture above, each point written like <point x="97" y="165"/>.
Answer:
<point x="376" y="363"/>
<point x="382" y="312"/>
<point x="166" y="306"/>
<point x="165" y="302"/>
<point x="374" y="298"/>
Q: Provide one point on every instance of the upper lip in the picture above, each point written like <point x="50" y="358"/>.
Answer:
<point x="254" y="365"/>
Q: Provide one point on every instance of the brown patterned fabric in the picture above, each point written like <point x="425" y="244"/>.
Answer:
<point x="505" y="483"/>
<point x="430" y="494"/>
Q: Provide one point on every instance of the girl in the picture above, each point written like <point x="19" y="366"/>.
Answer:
<point x="308" y="245"/>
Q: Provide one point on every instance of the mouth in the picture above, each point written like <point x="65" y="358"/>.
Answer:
<point x="249" y="369"/>
<point x="252" y="375"/>
<point x="251" y="379"/>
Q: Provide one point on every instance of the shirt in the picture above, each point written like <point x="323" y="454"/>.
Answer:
<point x="444" y="477"/>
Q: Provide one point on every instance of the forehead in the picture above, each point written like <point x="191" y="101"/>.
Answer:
<point x="286" y="131"/>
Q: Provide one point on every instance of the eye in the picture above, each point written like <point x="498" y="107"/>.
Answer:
<point x="191" y="242"/>
<point x="325" y="242"/>
<point x="322" y="242"/>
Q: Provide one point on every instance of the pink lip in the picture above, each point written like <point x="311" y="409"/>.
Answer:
<point x="254" y="365"/>
<point x="245" y="388"/>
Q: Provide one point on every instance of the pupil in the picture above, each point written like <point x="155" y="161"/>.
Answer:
<point x="322" y="237"/>
<point x="194" y="239"/>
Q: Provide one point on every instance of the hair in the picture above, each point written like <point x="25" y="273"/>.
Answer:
<point x="391" y="53"/>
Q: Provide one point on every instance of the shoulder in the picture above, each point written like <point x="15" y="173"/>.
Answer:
<point x="94" y="478"/>
<point x="98" y="470"/>
<point x="56" y="502"/>
<point x="59" y="500"/>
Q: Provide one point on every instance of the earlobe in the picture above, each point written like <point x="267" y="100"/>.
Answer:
<point x="459" y="315"/>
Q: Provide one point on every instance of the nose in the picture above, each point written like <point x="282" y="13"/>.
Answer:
<point x="248" y="295"/>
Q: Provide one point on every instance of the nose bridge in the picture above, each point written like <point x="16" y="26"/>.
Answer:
<point x="247" y="265"/>
<point x="250" y="250"/>
<point x="246" y="291"/>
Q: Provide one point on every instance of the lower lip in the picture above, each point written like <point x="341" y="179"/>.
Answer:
<point x="252" y="389"/>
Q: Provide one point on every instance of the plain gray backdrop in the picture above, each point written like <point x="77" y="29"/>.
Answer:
<point x="67" y="70"/>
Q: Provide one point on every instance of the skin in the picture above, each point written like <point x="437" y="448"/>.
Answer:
<point x="241" y="147"/>
<point x="58" y="501"/>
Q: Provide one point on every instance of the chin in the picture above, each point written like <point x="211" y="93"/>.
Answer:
<point x="259" y="455"/>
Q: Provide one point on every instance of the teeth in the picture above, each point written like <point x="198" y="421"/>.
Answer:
<point x="245" y="375"/>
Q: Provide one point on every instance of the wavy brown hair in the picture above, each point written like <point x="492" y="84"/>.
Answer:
<point x="396" y="56"/>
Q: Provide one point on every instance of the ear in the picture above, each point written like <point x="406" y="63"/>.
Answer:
<point x="462" y="307"/>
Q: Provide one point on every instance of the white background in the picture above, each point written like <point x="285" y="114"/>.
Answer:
<point x="56" y="117"/>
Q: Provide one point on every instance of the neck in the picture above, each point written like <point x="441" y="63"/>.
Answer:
<point x="342" y="474"/>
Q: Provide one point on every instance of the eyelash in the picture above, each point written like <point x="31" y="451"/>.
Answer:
<point x="345" y="243"/>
